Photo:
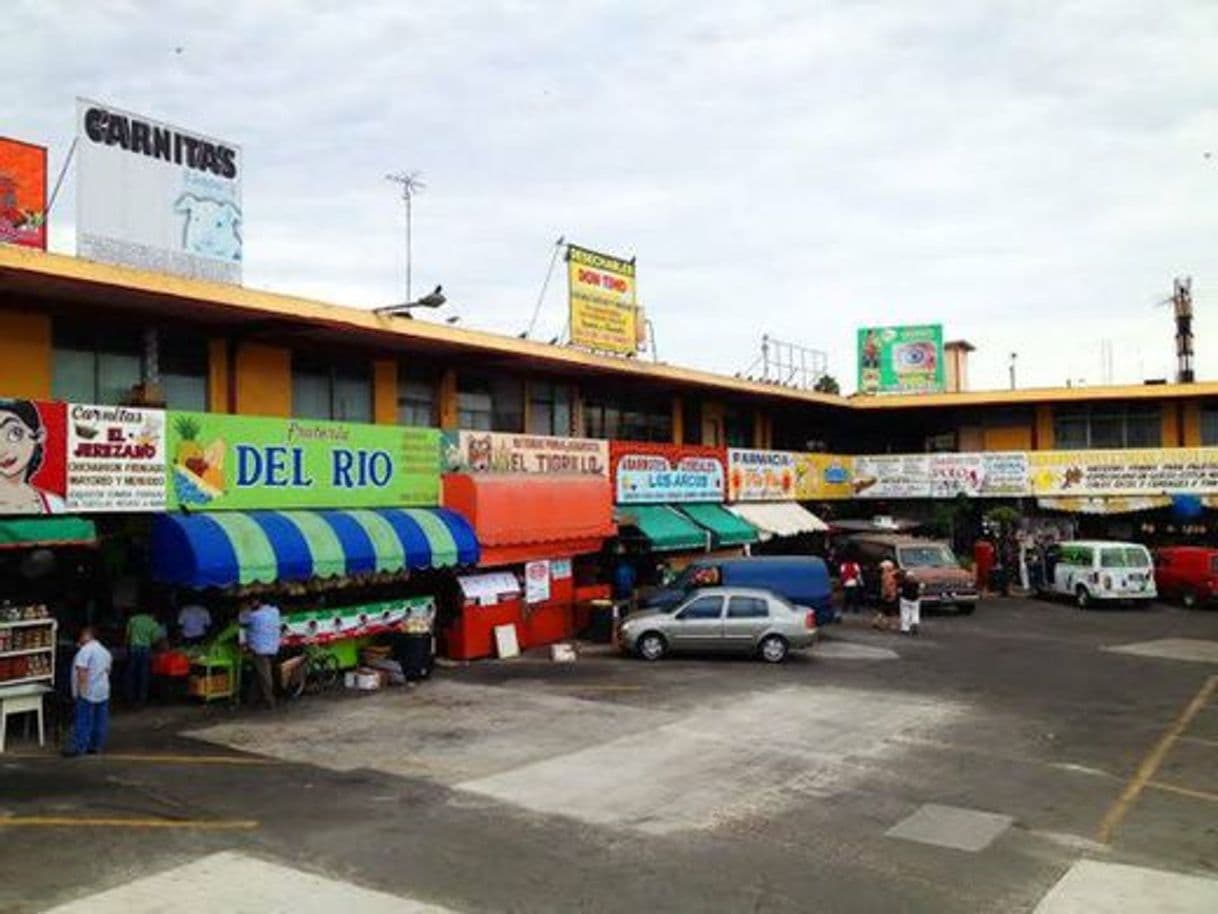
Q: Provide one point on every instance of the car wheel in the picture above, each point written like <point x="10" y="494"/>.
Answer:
<point x="773" y="649"/>
<point x="652" y="646"/>
<point x="1188" y="599"/>
<point x="1082" y="599"/>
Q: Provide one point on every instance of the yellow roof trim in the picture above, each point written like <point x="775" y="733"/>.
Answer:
<point x="267" y="304"/>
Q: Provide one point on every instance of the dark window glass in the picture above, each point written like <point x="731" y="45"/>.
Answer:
<point x="183" y="372"/>
<point x="507" y="405"/>
<point x="628" y="417"/>
<point x="738" y="427"/>
<point x="474" y="403"/>
<point x="322" y="390"/>
<point x="1108" y="425"/>
<point x="1209" y="424"/>
<point x="691" y="421"/>
<point x="747" y="608"/>
<point x="703" y="608"/>
<point x="549" y="409"/>
<point x="416" y="400"/>
<point x="95" y="366"/>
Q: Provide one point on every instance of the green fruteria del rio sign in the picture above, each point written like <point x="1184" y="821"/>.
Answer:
<point x="219" y="462"/>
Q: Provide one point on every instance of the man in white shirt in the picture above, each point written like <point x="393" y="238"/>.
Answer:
<point x="193" y="622"/>
<point x="91" y="690"/>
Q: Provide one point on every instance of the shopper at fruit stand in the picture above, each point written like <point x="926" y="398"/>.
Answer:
<point x="193" y="620"/>
<point x="91" y="693"/>
<point x="262" y="622"/>
<point x="143" y="632"/>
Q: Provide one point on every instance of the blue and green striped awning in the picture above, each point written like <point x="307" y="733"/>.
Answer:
<point x="224" y="548"/>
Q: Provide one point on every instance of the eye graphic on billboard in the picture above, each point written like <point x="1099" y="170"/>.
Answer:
<point x="901" y="359"/>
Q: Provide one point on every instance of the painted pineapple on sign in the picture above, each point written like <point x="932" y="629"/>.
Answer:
<point x="198" y="470"/>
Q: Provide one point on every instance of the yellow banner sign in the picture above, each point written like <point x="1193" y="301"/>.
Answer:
<point x="604" y="314"/>
<point x="1132" y="472"/>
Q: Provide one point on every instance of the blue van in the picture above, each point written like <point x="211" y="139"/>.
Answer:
<point x="800" y="579"/>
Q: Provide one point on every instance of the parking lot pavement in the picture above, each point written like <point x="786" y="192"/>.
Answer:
<point x="1016" y="760"/>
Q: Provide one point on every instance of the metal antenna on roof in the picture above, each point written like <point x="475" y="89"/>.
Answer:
<point x="411" y="185"/>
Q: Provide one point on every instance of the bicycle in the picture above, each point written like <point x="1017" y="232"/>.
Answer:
<point x="315" y="670"/>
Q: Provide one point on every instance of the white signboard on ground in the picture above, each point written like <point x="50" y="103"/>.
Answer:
<point x="155" y="196"/>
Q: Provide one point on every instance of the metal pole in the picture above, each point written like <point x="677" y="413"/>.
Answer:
<point x="406" y="194"/>
<point x="63" y="171"/>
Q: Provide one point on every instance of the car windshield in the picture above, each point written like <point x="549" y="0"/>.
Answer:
<point x="1124" y="557"/>
<point x="927" y="557"/>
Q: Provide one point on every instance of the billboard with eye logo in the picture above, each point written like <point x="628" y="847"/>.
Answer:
<point x="905" y="359"/>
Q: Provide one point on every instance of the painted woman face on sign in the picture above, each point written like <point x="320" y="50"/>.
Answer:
<point x="22" y="448"/>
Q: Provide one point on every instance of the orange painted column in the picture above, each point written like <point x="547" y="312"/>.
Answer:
<point x="1191" y="424"/>
<point x="1044" y="428"/>
<point x="448" y="400"/>
<point x="678" y="421"/>
<point x="218" y="390"/>
<point x="1171" y="427"/>
<point x="25" y="355"/>
<point x="263" y="380"/>
<point x="385" y="392"/>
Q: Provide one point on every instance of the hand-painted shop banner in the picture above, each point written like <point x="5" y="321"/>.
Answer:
<point x="892" y="476"/>
<point x="33" y="463"/>
<point x="221" y="461"/>
<point x="979" y="475"/>
<point x="755" y="475"/>
<point x="503" y="452"/>
<point x="23" y="194"/>
<point x="665" y="473"/>
<point x="900" y="359"/>
<point x="116" y="458"/>
<point x="760" y="475"/>
<point x="604" y="315"/>
<point x="79" y="458"/>
<point x="155" y="196"/>
<point x="1132" y="472"/>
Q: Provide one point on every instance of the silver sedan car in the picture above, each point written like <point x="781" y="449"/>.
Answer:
<point x="721" y="619"/>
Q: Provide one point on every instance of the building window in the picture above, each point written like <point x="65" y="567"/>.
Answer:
<point x="628" y="417"/>
<point x="322" y="390"/>
<point x="549" y="409"/>
<point x="1107" y="425"/>
<point x="489" y="403"/>
<point x="1209" y="423"/>
<point x="416" y="397"/>
<point x="738" y="427"/>
<point x="691" y="421"/>
<point x="183" y="373"/>
<point x="95" y="367"/>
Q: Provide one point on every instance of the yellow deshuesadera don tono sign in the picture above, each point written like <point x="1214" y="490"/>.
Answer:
<point x="604" y="314"/>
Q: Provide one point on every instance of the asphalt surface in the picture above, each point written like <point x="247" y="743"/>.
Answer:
<point x="1016" y="741"/>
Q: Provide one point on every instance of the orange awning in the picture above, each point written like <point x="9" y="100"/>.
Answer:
<point x="519" y="517"/>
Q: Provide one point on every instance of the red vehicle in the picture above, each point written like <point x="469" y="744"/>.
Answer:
<point x="1188" y="574"/>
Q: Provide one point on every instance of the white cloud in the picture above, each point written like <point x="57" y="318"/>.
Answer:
<point x="1030" y="175"/>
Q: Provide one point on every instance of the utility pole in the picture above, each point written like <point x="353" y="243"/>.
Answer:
<point x="411" y="185"/>
<point x="1011" y="368"/>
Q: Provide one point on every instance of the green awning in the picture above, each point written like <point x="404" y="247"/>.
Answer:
<point x="726" y="527"/>
<point x="24" y="532"/>
<point x="666" y="528"/>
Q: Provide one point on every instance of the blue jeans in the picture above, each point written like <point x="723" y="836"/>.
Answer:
<point x="137" y="675"/>
<point x="92" y="720"/>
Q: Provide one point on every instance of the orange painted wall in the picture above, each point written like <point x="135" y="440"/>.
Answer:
<point x="1192" y="424"/>
<point x="385" y="392"/>
<point x="1171" y="426"/>
<point x="264" y="380"/>
<point x="1044" y="428"/>
<point x="1007" y="438"/>
<point x="25" y="355"/>
<point x="448" y="399"/>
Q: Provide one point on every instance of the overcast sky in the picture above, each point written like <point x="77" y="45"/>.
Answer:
<point x="1030" y="174"/>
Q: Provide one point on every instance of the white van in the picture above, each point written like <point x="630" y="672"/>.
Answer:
<point x="1095" y="571"/>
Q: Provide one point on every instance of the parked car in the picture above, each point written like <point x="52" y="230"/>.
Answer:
<point x="737" y="619"/>
<point x="931" y="562"/>
<point x="1098" y="571"/>
<point x="1188" y="574"/>
<point x="799" y="579"/>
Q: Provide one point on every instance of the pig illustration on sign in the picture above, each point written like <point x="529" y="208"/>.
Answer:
<point x="211" y="227"/>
